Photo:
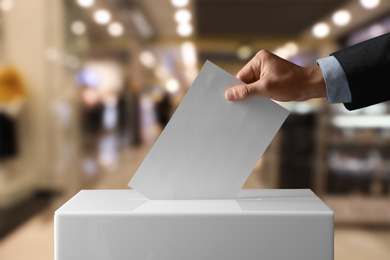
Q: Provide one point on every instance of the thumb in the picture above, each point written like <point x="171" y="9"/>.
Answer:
<point x="241" y="92"/>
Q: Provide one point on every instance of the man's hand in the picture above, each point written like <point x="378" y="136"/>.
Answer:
<point x="270" y="76"/>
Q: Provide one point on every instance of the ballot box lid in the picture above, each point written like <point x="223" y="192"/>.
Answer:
<point x="250" y="201"/>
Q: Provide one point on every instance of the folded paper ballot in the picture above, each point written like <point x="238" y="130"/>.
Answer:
<point x="210" y="145"/>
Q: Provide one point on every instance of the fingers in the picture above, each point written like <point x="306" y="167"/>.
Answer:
<point x="243" y="92"/>
<point x="249" y="72"/>
<point x="252" y="70"/>
<point x="237" y="93"/>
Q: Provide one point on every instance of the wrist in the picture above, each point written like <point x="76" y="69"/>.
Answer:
<point x="315" y="87"/>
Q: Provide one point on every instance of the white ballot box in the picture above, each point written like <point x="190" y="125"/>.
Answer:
<point x="258" y="224"/>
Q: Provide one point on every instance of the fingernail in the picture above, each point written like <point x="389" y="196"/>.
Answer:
<point x="229" y="94"/>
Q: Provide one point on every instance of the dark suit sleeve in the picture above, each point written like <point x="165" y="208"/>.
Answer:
<point x="367" y="67"/>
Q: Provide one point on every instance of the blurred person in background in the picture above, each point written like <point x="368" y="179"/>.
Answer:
<point x="12" y="97"/>
<point x="163" y="109"/>
<point x="91" y="116"/>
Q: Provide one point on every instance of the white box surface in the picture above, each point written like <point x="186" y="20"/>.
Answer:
<point x="259" y="224"/>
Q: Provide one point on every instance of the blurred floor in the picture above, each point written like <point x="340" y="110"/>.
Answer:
<point x="35" y="239"/>
<point x="362" y="243"/>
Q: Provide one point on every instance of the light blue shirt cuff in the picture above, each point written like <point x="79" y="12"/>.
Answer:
<point x="336" y="82"/>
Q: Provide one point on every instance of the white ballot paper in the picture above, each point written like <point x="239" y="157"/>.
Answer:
<point x="210" y="146"/>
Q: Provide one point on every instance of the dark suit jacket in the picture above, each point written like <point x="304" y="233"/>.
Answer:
<point x="367" y="67"/>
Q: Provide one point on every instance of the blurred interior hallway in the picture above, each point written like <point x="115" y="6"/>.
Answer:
<point x="92" y="89"/>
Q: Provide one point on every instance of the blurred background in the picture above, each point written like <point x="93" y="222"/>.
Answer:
<point x="86" y="86"/>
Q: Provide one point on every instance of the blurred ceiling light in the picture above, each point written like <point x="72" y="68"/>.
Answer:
<point x="291" y="48"/>
<point x="141" y="23"/>
<point x="115" y="29"/>
<point x="6" y="5"/>
<point x="244" y="52"/>
<point x="161" y="72"/>
<point x="281" y="52"/>
<point x="183" y="16"/>
<point x="172" y="85"/>
<point x="179" y="3"/>
<point x="341" y="17"/>
<point x="288" y="50"/>
<point x="147" y="59"/>
<point x="188" y="52"/>
<point x="102" y="16"/>
<point x="78" y="27"/>
<point x="370" y="4"/>
<point x="184" y="29"/>
<point x="321" y="30"/>
<point x="85" y="3"/>
<point x="52" y="54"/>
